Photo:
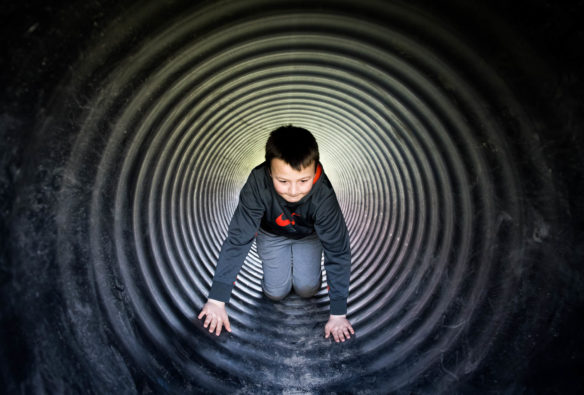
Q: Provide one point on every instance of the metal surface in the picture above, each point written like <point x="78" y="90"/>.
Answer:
<point x="457" y="172"/>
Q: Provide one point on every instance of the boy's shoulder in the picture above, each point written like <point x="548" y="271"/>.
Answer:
<point x="262" y="167"/>
<point x="322" y="189"/>
<point x="260" y="173"/>
<point x="259" y="179"/>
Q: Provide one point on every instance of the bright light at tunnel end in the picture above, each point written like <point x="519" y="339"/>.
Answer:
<point x="441" y="165"/>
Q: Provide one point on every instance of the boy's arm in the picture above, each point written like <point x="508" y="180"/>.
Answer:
<point x="332" y="231"/>
<point x="240" y="236"/>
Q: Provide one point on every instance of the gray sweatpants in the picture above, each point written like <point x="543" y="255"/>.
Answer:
<point x="289" y="263"/>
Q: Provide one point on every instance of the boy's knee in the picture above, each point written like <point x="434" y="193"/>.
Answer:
<point x="306" y="291"/>
<point x="276" y="296"/>
<point x="306" y="288"/>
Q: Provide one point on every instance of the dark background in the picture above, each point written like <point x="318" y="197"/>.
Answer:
<point x="41" y="42"/>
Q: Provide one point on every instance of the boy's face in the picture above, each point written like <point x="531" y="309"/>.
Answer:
<point x="289" y="183"/>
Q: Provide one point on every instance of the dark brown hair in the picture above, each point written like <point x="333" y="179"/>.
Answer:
<point x="295" y="146"/>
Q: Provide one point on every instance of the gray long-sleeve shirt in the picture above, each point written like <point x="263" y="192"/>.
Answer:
<point x="260" y="205"/>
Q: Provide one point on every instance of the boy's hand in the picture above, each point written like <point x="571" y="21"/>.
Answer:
<point x="340" y="327"/>
<point x="216" y="316"/>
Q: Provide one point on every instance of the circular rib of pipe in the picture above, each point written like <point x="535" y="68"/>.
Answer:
<point x="425" y="168"/>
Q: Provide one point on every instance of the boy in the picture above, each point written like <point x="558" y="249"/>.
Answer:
<point x="289" y="205"/>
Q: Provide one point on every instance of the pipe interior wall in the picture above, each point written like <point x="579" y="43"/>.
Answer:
<point x="451" y="134"/>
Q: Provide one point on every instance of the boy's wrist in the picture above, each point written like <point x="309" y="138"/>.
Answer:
<point x="338" y="307"/>
<point x="220" y="291"/>
<point x="216" y="302"/>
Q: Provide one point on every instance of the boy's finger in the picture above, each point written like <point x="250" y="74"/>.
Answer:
<point x="201" y="314"/>
<point x="219" y="326"/>
<point x="227" y="325"/>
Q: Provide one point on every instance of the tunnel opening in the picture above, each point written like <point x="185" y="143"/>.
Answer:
<point x="450" y="134"/>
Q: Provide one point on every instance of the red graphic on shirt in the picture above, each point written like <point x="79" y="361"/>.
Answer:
<point x="280" y="221"/>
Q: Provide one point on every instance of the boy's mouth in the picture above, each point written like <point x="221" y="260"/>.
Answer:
<point x="293" y="198"/>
